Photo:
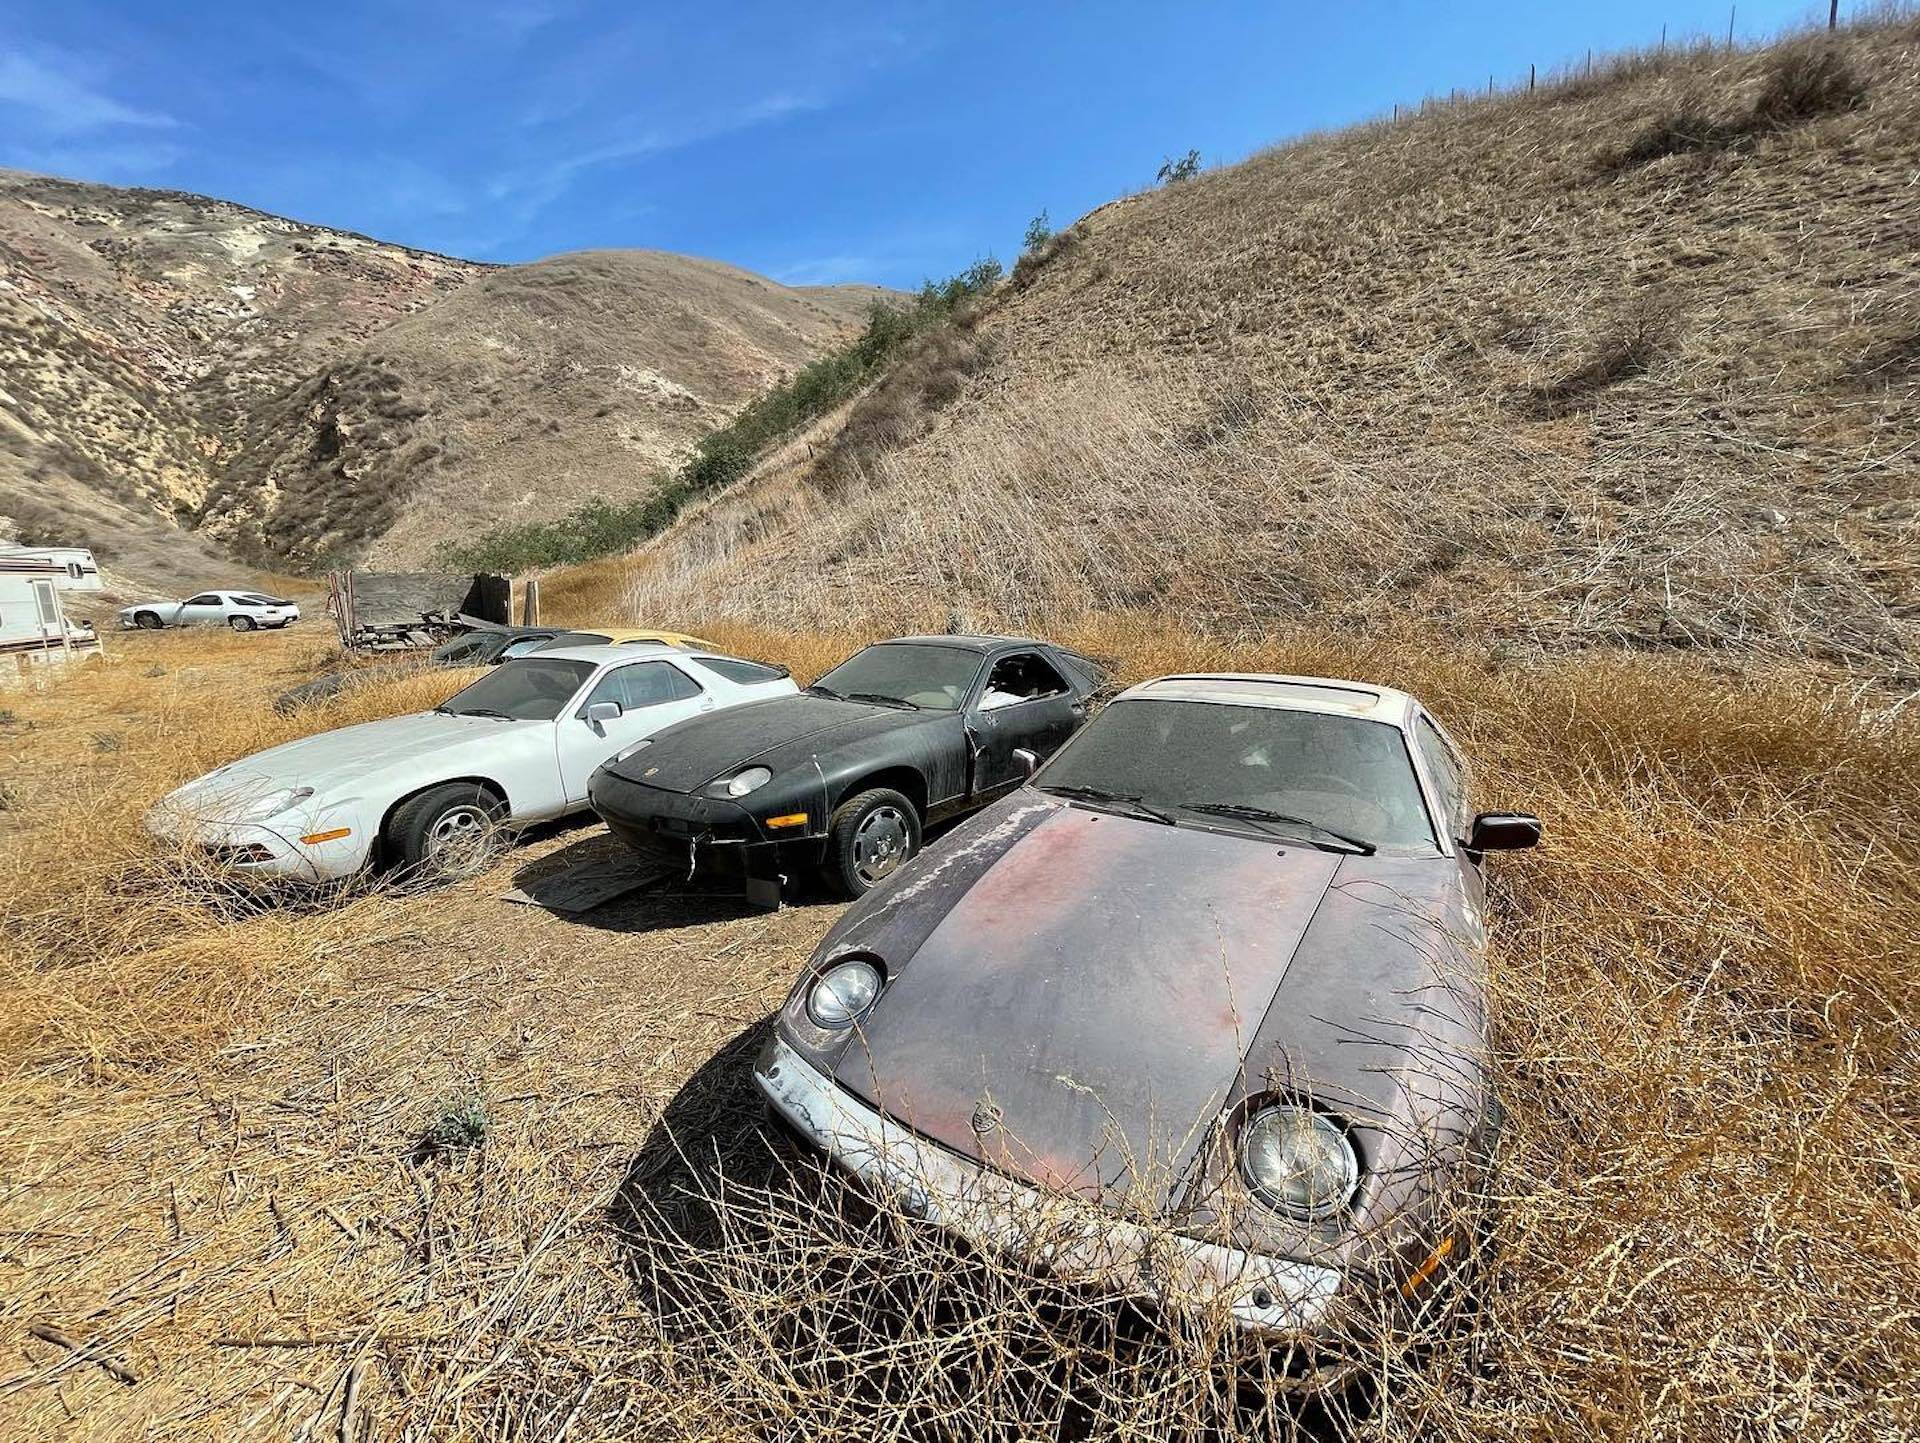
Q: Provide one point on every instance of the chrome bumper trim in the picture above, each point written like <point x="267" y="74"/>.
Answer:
<point x="1266" y="1295"/>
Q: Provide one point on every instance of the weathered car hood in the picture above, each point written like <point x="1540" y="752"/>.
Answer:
<point x="336" y="759"/>
<point x="1079" y="1013"/>
<point x="778" y="733"/>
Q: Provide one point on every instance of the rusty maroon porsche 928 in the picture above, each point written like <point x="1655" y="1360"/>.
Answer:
<point x="1199" y="1008"/>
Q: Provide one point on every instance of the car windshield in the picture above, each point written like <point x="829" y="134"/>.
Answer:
<point x="1339" y="780"/>
<point x="930" y="676"/>
<point x="529" y="688"/>
<point x="473" y="647"/>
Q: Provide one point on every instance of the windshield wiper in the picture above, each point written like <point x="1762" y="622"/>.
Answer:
<point x="1243" y="812"/>
<point x="476" y="711"/>
<point x="1125" y="801"/>
<point x="818" y="690"/>
<point x="874" y="696"/>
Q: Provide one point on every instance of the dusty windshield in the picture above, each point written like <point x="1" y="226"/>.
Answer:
<point x="531" y="688"/>
<point x="1220" y="765"/>
<point x="936" y="678"/>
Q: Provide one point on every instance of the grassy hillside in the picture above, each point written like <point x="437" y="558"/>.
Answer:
<point x="175" y="363"/>
<point x="1630" y="360"/>
<point x="534" y="389"/>
<point x="136" y="325"/>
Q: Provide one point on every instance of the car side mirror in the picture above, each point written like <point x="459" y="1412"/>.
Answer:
<point x="604" y="711"/>
<point x="1029" y="760"/>
<point x="1503" y="832"/>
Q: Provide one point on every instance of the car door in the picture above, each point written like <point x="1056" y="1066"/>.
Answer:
<point x="1023" y="704"/>
<point x="207" y="606"/>
<point x="650" y="694"/>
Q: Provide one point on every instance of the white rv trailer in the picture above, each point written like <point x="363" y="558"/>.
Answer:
<point x="34" y="627"/>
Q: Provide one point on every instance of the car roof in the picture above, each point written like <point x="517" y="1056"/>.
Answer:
<point x="1291" y="693"/>
<point x="968" y="643"/>
<point x="627" y="635"/>
<point x="599" y="652"/>
<point x="510" y="633"/>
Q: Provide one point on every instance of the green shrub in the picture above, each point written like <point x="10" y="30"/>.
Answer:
<point x="457" y="1125"/>
<point x="724" y="455"/>
<point x="1172" y="172"/>
<point x="1039" y="232"/>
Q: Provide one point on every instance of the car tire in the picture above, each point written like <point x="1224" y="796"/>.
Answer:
<point x="240" y="623"/>
<point x="448" y="831"/>
<point x="147" y="620"/>
<point x="872" y="835"/>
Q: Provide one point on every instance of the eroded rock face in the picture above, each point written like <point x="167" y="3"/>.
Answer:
<point x="175" y="363"/>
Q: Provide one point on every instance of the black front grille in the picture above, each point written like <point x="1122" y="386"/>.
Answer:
<point x="241" y="855"/>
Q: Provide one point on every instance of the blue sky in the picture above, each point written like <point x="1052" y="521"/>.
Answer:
<point x="815" y="143"/>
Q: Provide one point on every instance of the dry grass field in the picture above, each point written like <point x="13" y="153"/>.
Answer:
<point x="213" y="1180"/>
<point x="1587" y="416"/>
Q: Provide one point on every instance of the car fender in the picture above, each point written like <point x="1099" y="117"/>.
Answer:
<point x="343" y="854"/>
<point x="1381" y="1019"/>
<point x="934" y="753"/>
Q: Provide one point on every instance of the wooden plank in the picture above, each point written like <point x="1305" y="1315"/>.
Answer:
<point x="589" y="885"/>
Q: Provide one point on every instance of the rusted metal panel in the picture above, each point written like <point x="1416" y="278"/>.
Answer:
<point x="1079" y="1014"/>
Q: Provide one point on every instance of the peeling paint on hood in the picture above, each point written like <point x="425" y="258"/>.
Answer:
<point x="1079" y="1014"/>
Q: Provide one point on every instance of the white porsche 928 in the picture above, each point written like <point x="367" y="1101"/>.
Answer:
<point x="428" y="791"/>
<point x="241" y="610"/>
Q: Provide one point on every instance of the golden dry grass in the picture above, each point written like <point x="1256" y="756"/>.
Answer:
<point x="1704" y="1211"/>
<point x="1470" y="369"/>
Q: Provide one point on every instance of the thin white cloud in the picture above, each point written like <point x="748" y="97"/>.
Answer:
<point x="526" y="190"/>
<point x="61" y="96"/>
<point x="827" y="271"/>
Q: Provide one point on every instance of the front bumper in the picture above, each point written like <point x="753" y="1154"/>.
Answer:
<point x="256" y="849"/>
<point x="1267" y="1296"/>
<point x="689" y="829"/>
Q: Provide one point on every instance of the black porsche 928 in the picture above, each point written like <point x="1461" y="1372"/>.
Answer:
<point x="844" y="777"/>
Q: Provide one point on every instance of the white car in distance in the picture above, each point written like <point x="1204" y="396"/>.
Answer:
<point x="430" y="790"/>
<point x="241" y="610"/>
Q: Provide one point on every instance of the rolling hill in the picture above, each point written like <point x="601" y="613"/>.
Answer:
<point x="1631" y="360"/>
<point x="187" y="379"/>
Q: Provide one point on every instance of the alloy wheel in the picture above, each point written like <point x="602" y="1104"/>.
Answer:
<point x="880" y="844"/>
<point x="460" y="839"/>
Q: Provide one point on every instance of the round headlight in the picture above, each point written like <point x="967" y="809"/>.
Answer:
<point x="747" y="781"/>
<point x="1298" y="1160"/>
<point x="843" y="993"/>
